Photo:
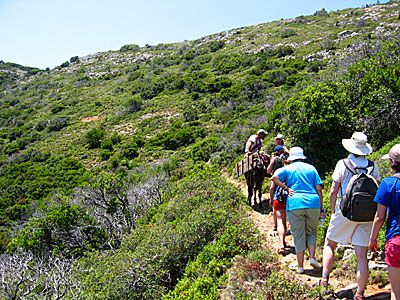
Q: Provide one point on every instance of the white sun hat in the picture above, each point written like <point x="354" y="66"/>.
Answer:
<point x="357" y="144"/>
<point x="280" y="136"/>
<point x="296" y="153"/>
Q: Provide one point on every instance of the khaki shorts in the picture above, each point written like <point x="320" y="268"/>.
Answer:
<point x="343" y="231"/>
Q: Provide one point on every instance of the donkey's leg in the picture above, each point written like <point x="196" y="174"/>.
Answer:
<point x="250" y="184"/>
<point x="260" y="181"/>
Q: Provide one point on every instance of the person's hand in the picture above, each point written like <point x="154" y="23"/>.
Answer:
<point x="373" y="245"/>
<point x="290" y="192"/>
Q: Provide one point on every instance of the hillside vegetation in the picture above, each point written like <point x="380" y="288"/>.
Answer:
<point x="110" y="163"/>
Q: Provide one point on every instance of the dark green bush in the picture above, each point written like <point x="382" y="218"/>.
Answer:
<point x="215" y="46"/>
<point x="94" y="137"/>
<point x="287" y="32"/>
<point x="131" y="47"/>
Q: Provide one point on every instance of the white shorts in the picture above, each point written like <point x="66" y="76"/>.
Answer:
<point x="343" y="231"/>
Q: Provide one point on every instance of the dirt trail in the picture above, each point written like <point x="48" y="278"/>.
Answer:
<point x="261" y="215"/>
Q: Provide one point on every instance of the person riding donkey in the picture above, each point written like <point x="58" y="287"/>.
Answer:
<point x="255" y="177"/>
<point x="255" y="143"/>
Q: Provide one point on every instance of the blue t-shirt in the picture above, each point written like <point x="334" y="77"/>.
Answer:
<point x="302" y="178"/>
<point x="389" y="195"/>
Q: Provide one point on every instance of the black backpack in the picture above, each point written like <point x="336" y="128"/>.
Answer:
<point x="358" y="203"/>
<point x="281" y="194"/>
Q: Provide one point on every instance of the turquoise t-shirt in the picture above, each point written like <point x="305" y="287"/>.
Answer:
<point x="302" y="178"/>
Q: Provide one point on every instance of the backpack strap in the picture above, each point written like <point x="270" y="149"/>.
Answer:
<point x="349" y="165"/>
<point x="370" y="167"/>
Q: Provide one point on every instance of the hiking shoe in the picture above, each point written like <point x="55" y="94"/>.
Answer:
<point x="296" y="268"/>
<point x="315" y="264"/>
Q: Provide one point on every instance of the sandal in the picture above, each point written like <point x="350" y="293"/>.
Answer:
<point x="358" y="296"/>
<point x="281" y="250"/>
<point x="322" y="282"/>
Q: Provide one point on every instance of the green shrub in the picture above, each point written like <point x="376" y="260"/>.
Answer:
<point x="74" y="59"/>
<point x="57" y="108"/>
<point x="203" y="149"/>
<point x="94" y="137"/>
<point x="287" y="32"/>
<point x="215" y="46"/>
<point x="131" y="47"/>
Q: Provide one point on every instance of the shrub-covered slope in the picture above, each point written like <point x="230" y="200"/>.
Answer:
<point x="91" y="151"/>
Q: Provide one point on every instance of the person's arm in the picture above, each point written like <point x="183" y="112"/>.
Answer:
<point x="318" y="187"/>
<point x="278" y="182"/>
<point x="333" y="195"/>
<point x="249" y="147"/>
<point x="271" y="165"/>
<point x="286" y="149"/>
<point x="380" y="217"/>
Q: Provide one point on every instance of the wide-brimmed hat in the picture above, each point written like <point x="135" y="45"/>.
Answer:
<point x="280" y="136"/>
<point x="357" y="144"/>
<point x="296" y="153"/>
<point x="393" y="154"/>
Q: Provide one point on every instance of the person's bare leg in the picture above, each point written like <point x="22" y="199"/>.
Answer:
<point x="362" y="267"/>
<point x="300" y="259"/>
<point x="311" y="250"/>
<point x="394" y="276"/>
<point x="328" y="259"/>
<point x="281" y="222"/>
<point x="271" y="197"/>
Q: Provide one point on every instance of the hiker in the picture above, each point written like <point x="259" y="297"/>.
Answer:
<point x="388" y="198"/>
<point x="277" y="160"/>
<point x="304" y="204"/>
<point x="255" y="142"/>
<point x="341" y="229"/>
<point x="280" y="141"/>
<point x="277" y="201"/>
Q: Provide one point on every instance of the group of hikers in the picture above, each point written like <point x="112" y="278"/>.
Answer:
<point x="354" y="198"/>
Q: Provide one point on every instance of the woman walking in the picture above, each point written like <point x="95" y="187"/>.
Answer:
<point x="304" y="204"/>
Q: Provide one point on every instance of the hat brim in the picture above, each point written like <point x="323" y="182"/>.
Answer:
<point x="386" y="156"/>
<point x="294" y="157"/>
<point x="348" y="144"/>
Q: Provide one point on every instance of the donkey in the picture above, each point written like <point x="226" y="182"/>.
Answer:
<point x="255" y="178"/>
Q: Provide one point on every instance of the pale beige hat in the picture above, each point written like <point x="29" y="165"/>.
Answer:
<point x="357" y="144"/>
<point x="296" y="153"/>
<point x="393" y="154"/>
<point x="280" y="136"/>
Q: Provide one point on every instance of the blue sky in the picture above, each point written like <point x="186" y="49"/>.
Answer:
<point x="46" y="33"/>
